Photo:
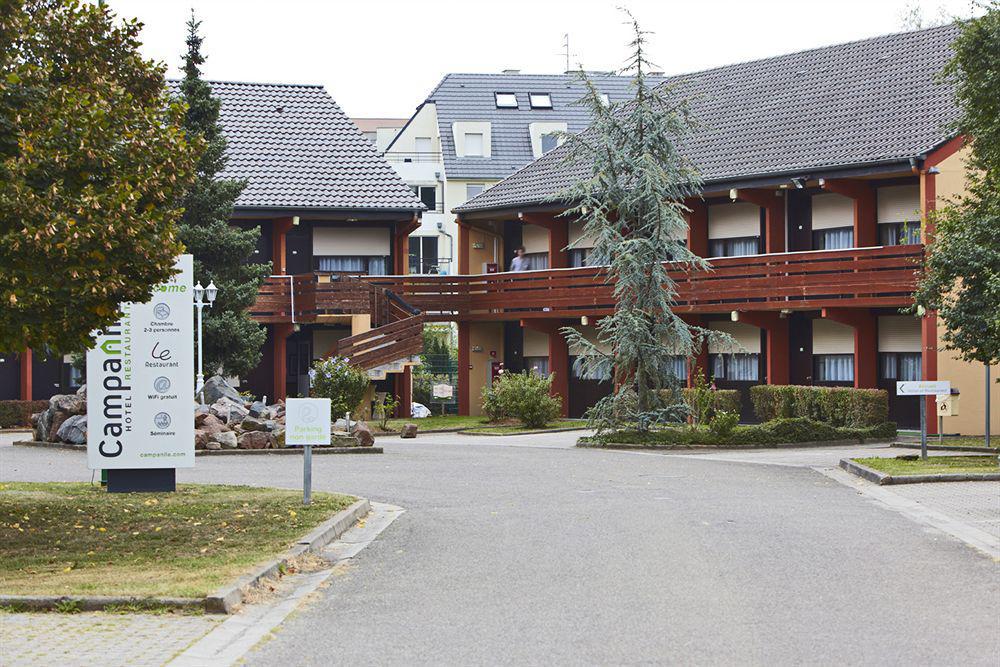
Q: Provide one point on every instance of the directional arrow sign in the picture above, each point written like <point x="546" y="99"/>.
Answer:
<point x="923" y="387"/>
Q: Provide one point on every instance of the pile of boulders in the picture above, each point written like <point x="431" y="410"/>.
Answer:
<point x="65" y="420"/>
<point x="226" y="421"/>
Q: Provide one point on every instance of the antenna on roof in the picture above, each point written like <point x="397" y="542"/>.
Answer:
<point x="566" y="53"/>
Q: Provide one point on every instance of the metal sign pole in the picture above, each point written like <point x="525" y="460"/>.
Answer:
<point x="307" y="474"/>
<point x="923" y="427"/>
<point x="989" y="385"/>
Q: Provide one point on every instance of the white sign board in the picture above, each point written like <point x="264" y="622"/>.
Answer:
<point x="923" y="387"/>
<point x="307" y="421"/>
<point x="140" y="382"/>
<point x="442" y="391"/>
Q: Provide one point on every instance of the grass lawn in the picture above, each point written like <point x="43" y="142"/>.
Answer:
<point x="504" y="429"/>
<point x="77" y="539"/>
<point x="933" y="465"/>
<point x="435" y="422"/>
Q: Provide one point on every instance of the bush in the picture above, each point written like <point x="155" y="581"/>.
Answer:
<point x="837" y="406"/>
<point x="723" y="424"/>
<point x="343" y="384"/>
<point x="524" y="396"/>
<point x="775" y="432"/>
<point x="718" y="400"/>
<point x="15" y="414"/>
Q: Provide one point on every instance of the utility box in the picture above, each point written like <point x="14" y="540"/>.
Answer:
<point x="947" y="404"/>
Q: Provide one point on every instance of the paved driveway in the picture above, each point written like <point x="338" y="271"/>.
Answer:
<point x="527" y="551"/>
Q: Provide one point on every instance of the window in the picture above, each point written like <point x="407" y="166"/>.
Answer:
<point x="675" y="368"/>
<point x="373" y="266"/>
<point x="427" y="195"/>
<point x="737" y="247"/>
<point x="549" y="141"/>
<point x="423" y="254"/>
<point x="899" y="365"/>
<point x="834" y="367"/>
<point x="578" y="256"/>
<point x="837" y="238"/>
<point x="540" y="100"/>
<point x="538" y="364"/>
<point x="371" y="136"/>
<point x="506" y="100"/>
<point x="474" y="144"/>
<point x="423" y="145"/>
<point x="601" y="374"/>
<point x="899" y="233"/>
<point x="473" y="189"/>
<point x="605" y="100"/>
<point x="735" y="367"/>
<point x="537" y="261"/>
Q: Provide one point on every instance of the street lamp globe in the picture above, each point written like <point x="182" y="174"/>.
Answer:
<point x="210" y="292"/>
<point x="198" y="291"/>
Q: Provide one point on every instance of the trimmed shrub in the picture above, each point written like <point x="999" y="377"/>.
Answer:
<point x="343" y="384"/>
<point x="523" y="396"/>
<point x="723" y="424"/>
<point x="15" y="414"/>
<point x="775" y="432"/>
<point x="717" y="400"/>
<point x="837" y="406"/>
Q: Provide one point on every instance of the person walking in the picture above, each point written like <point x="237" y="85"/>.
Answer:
<point x="520" y="262"/>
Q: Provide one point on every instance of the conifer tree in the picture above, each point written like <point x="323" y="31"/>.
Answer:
<point x="221" y="252"/>
<point x="631" y="206"/>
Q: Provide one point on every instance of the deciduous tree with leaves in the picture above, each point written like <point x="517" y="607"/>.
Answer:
<point x="93" y="164"/>
<point x="631" y="205"/>
<point x="221" y="252"/>
<point x="961" y="278"/>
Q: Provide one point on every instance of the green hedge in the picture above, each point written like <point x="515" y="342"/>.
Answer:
<point x="837" y="406"/>
<point x="15" y="414"/>
<point x="723" y="400"/>
<point x="775" y="432"/>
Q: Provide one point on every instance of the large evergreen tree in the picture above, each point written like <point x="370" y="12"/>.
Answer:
<point x="961" y="279"/>
<point x="632" y="207"/>
<point x="221" y="252"/>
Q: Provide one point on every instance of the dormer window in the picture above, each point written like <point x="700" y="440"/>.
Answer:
<point x="506" y="100"/>
<point x="540" y="100"/>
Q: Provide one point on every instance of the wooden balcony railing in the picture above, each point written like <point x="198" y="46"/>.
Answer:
<point x="863" y="277"/>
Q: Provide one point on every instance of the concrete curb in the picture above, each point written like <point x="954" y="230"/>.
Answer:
<point x="226" y="599"/>
<point x="948" y="448"/>
<point x="712" y="448"/>
<point x="219" y="452"/>
<point x="222" y="601"/>
<point x="882" y="479"/>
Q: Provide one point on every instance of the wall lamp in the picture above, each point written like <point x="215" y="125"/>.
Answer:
<point x="734" y="194"/>
<point x="799" y="182"/>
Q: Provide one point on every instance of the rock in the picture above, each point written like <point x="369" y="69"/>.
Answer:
<point x="363" y="435"/>
<point x="225" y="438"/>
<point x="211" y="424"/>
<point x="229" y="411"/>
<point x="201" y="438"/>
<point x="216" y="387"/>
<point x="270" y="425"/>
<point x="42" y="423"/>
<point x="279" y="438"/>
<point x="211" y="444"/>
<point x="82" y="391"/>
<point x="199" y="413"/>
<point x="258" y="409"/>
<point x="70" y="404"/>
<point x="409" y="431"/>
<point x="255" y="440"/>
<point x="74" y="430"/>
<point x="251" y="424"/>
<point x="343" y="425"/>
<point x="57" y="421"/>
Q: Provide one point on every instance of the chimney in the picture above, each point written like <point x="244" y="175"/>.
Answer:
<point x="655" y="73"/>
<point x="512" y="71"/>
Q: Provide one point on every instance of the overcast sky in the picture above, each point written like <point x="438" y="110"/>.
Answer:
<point x="382" y="57"/>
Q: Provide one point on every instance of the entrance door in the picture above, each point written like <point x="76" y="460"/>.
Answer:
<point x="299" y="359"/>
<point x="298" y="250"/>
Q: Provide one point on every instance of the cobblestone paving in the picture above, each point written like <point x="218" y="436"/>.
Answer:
<point x="974" y="503"/>
<point x="136" y="640"/>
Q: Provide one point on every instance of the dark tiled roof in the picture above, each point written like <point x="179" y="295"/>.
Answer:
<point x="298" y="150"/>
<point x="862" y="103"/>
<point x="470" y="97"/>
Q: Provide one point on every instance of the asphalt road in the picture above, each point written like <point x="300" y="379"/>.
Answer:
<point x="537" y="555"/>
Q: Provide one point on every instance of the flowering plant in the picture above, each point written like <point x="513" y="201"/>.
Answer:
<point x="335" y="378"/>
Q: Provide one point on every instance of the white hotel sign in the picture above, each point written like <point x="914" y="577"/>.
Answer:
<point x="140" y="382"/>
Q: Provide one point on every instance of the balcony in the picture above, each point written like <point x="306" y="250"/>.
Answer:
<point x="407" y="158"/>
<point x="860" y="278"/>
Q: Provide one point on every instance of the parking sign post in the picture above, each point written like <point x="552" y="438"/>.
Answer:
<point x="921" y="389"/>
<point x="307" y="423"/>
